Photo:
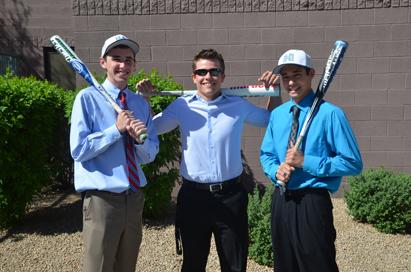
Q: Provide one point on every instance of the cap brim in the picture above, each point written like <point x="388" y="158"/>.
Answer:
<point x="129" y="43"/>
<point x="277" y="70"/>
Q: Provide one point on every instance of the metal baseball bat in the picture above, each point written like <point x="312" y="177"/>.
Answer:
<point x="333" y="62"/>
<point x="248" y="90"/>
<point x="78" y="66"/>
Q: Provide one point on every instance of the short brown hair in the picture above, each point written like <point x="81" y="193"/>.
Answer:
<point x="209" y="54"/>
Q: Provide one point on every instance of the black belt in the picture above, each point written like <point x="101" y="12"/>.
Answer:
<point x="123" y="193"/>
<point x="304" y="191"/>
<point x="212" y="187"/>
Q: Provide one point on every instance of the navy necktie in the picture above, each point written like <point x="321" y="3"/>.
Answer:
<point x="294" y="127"/>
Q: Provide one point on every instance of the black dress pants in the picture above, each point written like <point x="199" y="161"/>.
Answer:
<point x="201" y="213"/>
<point x="302" y="231"/>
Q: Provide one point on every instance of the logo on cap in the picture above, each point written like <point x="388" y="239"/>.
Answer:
<point x="288" y="58"/>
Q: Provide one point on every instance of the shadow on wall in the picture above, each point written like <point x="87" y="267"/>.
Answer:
<point x="15" y="39"/>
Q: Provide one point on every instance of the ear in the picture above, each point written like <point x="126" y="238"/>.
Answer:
<point x="193" y="77"/>
<point x="102" y="62"/>
<point x="222" y="77"/>
<point x="312" y="72"/>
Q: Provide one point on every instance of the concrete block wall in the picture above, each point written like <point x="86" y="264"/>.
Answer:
<point x="373" y="85"/>
<point x="26" y="26"/>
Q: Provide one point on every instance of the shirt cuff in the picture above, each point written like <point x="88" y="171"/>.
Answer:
<point x="113" y="133"/>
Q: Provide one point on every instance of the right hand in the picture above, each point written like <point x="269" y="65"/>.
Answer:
<point x="124" y="119"/>
<point x="145" y="87"/>
<point x="284" y="172"/>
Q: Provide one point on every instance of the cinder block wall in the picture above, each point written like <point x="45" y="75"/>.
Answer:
<point x="27" y="25"/>
<point x="373" y="84"/>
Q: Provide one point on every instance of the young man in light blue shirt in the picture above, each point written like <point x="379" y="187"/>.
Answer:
<point x="211" y="200"/>
<point x="302" y="228"/>
<point x="107" y="150"/>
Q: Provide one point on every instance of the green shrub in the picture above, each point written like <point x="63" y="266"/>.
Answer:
<point x="259" y="216"/>
<point x="32" y="142"/>
<point x="381" y="198"/>
<point x="162" y="173"/>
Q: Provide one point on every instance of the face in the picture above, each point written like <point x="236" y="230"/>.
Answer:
<point x="119" y="64"/>
<point x="297" y="81"/>
<point x="208" y="85"/>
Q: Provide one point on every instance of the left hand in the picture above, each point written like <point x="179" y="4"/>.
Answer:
<point x="294" y="157"/>
<point x="135" y="129"/>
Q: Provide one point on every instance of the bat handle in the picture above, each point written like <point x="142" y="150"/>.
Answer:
<point x="143" y="137"/>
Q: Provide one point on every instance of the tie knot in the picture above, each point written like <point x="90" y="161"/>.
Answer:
<point x="122" y="97"/>
<point x="296" y="110"/>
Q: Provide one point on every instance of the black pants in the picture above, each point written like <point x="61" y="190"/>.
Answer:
<point x="303" y="232"/>
<point x="201" y="213"/>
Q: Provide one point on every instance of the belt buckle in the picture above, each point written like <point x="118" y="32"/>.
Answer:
<point x="216" y="187"/>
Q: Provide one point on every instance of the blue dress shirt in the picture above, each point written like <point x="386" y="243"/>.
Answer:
<point x="330" y="148"/>
<point x="210" y="134"/>
<point x="97" y="146"/>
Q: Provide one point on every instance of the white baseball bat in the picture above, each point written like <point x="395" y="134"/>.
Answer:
<point x="248" y="90"/>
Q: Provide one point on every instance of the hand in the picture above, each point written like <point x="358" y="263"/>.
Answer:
<point x="135" y="129"/>
<point x="145" y="87"/>
<point x="269" y="79"/>
<point x="123" y="120"/>
<point x="284" y="172"/>
<point x="294" y="157"/>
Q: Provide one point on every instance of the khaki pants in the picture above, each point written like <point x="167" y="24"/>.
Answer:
<point x="112" y="230"/>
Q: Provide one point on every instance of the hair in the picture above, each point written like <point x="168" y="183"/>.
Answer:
<point x="209" y="54"/>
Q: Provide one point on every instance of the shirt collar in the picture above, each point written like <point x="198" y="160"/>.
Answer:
<point x="304" y="104"/>
<point x="196" y="97"/>
<point x="112" y="89"/>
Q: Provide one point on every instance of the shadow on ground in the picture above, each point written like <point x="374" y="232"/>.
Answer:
<point x="61" y="212"/>
<point x="51" y="215"/>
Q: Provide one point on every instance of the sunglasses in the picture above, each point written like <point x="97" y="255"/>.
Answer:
<point x="213" y="72"/>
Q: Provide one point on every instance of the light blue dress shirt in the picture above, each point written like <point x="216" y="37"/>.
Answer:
<point x="210" y="134"/>
<point x="97" y="146"/>
<point x="330" y="148"/>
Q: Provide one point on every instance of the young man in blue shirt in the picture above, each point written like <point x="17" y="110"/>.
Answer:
<point x="99" y="137"/>
<point x="302" y="227"/>
<point x="211" y="200"/>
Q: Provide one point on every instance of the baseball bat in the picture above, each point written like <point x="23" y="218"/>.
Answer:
<point x="333" y="62"/>
<point x="248" y="90"/>
<point x="78" y="66"/>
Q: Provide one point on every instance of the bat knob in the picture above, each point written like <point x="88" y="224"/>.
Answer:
<point x="143" y="137"/>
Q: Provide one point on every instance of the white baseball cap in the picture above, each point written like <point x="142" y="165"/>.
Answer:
<point x="119" y="40"/>
<point x="293" y="57"/>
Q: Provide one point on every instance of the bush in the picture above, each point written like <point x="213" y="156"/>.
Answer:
<point x="32" y="142"/>
<point x="162" y="173"/>
<point x="381" y="198"/>
<point x="259" y="217"/>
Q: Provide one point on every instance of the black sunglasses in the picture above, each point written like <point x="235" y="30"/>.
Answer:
<point x="213" y="72"/>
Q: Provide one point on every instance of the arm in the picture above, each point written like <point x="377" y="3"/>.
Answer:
<point x="164" y="121"/>
<point x="268" y="154"/>
<point x="147" y="151"/>
<point x="88" y="139"/>
<point x="343" y="158"/>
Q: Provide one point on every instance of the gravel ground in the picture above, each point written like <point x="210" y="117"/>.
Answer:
<point x="49" y="239"/>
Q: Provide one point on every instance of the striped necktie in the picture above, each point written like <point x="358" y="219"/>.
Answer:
<point x="294" y="127"/>
<point x="133" y="177"/>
